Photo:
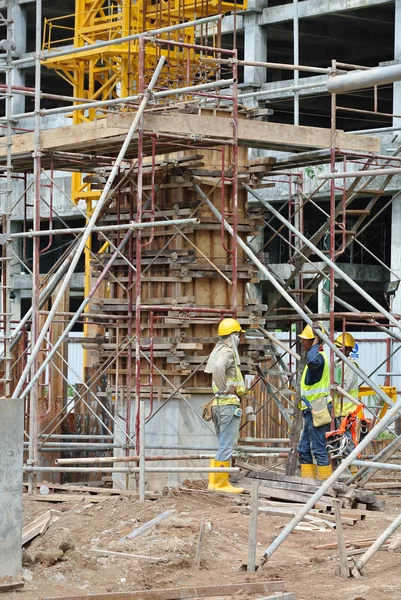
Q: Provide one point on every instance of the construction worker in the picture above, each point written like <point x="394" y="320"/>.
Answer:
<point x="348" y="380"/>
<point x="228" y="387"/>
<point x="315" y="398"/>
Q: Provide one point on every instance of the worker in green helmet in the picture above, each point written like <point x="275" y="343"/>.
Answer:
<point x="315" y="398"/>
<point x="228" y="388"/>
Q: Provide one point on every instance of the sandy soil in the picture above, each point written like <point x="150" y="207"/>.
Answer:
<point x="308" y="573"/>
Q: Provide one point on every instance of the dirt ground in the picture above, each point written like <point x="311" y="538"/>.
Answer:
<point x="310" y="574"/>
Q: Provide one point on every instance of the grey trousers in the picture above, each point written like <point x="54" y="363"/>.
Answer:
<point x="226" y="424"/>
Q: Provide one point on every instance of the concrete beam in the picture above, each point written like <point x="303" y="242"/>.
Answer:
<point x="11" y="449"/>
<point x="315" y="8"/>
<point x="275" y="88"/>
<point x="24" y="282"/>
<point x="364" y="273"/>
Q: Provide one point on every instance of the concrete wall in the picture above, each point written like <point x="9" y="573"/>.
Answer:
<point x="178" y="425"/>
<point x="11" y="448"/>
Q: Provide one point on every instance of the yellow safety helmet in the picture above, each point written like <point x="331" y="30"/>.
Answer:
<point x="345" y="339"/>
<point x="308" y="333"/>
<point x="227" y="326"/>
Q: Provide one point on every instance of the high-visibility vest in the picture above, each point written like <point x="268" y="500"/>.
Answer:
<point x="316" y="390"/>
<point x="238" y="382"/>
<point x="347" y="406"/>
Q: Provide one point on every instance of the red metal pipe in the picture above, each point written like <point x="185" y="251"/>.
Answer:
<point x="51" y="188"/>
<point x="211" y="49"/>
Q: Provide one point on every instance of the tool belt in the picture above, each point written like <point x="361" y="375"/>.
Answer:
<point x="207" y="410"/>
<point x="320" y="413"/>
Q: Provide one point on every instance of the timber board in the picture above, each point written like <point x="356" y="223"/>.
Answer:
<point x="105" y="136"/>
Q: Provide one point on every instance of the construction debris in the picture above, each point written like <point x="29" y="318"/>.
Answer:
<point x="39" y="525"/>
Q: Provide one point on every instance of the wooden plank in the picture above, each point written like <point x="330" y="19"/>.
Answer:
<point x="181" y="593"/>
<point x="96" y="490"/>
<point x="298" y="487"/>
<point x="204" y="526"/>
<point x="65" y="498"/>
<point x="128" y="555"/>
<point x="285" y="596"/>
<point x="11" y="586"/>
<point x="342" y="552"/>
<point x="250" y="133"/>
<point x="39" y="525"/>
<point x="282" y="494"/>
<point x="363" y="543"/>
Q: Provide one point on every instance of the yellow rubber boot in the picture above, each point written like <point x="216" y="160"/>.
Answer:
<point x="212" y="477"/>
<point x="222" y="483"/>
<point x="308" y="471"/>
<point x="353" y="469"/>
<point x="324" y="472"/>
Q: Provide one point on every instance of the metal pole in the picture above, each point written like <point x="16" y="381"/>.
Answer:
<point x="222" y="83"/>
<point x="6" y="265"/>
<point x="376" y="465"/>
<point x="290" y="88"/>
<point x="32" y="362"/>
<point x="88" y="231"/>
<point x="356" y="571"/>
<point x="130" y="470"/>
<point x="253" y="527"/>
<point x="123" y="227"/>
<point x="366" y="173"/>
<point x="326" y="485"/>
<point x="324" y="258"/>
<point x="122" y="40"/>
<point x="291" y="300"/>
<point x="364" y="79"/>
<point x="296" y="59"/>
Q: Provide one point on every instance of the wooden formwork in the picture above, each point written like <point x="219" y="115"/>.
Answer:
<point x="178" y="272"/>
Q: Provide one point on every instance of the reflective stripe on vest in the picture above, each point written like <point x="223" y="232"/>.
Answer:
<point x="342" y="410"/>
<point x="316" y="390"/>
<point x="237" y="381"/>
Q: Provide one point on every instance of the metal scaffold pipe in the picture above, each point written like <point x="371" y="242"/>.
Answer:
<point x="294" y="304"/>
<point x="122" y="40"/>
<point x="354" y="174"/>
<point x="376" y="465"/>
<point x="324" y="258"/>
<point x="81" y="246"/>
<point x="191" y="89"/>
<point x="130" y="470"/>
<point x="367" y="440"/>
<point x="123" y="227"/>
<point x="364" y="79"/>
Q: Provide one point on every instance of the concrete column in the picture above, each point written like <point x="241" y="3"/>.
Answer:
<point x="18" y="75"/>
<point x="396" y="268"/>
<point x="11" y="449"/>
<point x="255" y="44"/>
<point x="397" y="56"/>
<point x="396" y="249"/>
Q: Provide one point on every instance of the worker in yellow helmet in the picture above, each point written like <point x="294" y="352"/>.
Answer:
<point x="315" y="399"/>
<point x="348" y="380"/>
<point x="228" y="387"/>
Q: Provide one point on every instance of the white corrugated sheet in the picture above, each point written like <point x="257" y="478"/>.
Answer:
<point x="75" y="361"/>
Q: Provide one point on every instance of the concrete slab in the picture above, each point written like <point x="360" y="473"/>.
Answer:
<point x="11" y="461"/>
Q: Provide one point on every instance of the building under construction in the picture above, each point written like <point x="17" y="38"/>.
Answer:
<point x="165" y="165"/>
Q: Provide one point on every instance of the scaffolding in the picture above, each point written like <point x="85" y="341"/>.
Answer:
<point x="173" y="224"/>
